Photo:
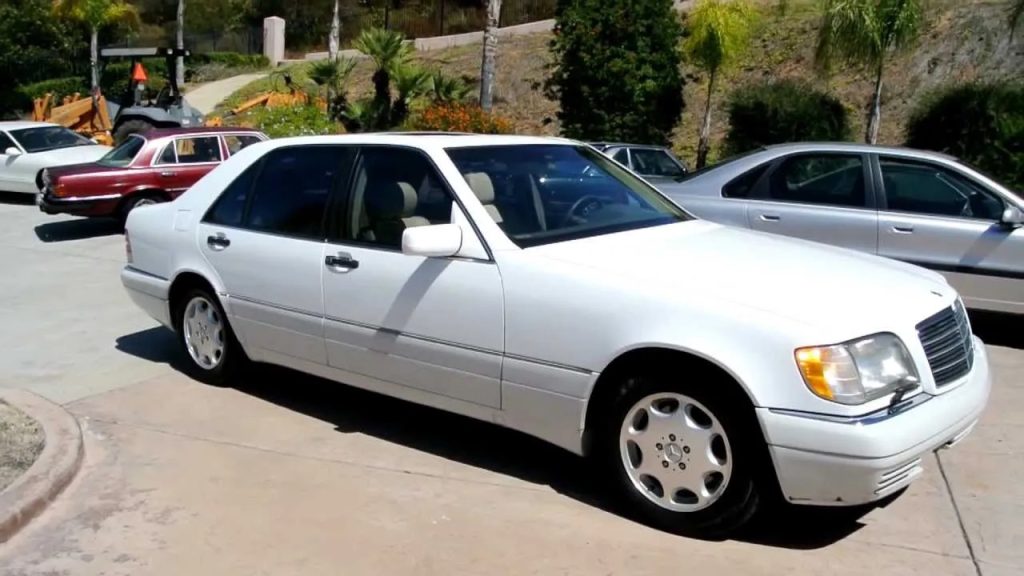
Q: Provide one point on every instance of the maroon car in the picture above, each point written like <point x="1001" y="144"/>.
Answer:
<point x="145" y="169"/>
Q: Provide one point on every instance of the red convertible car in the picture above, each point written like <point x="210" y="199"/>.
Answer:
<point x="145" y="169"/>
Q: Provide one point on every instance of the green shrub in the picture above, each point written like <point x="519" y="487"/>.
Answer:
<point x="230" y="60"/>
<point x="59" y="87"/>
<point x="783" y="111"/>
<point x="617" y="74"/>
<point x="980" y="123"/>
<point x="285" y="121"/>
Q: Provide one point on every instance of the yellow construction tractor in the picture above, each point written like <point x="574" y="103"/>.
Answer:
<point x="89" y="116"/>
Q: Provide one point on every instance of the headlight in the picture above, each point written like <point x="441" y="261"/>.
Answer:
<point x="857" y="371"/>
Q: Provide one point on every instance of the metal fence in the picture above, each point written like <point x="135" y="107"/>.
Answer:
<point x="243" y="40"/>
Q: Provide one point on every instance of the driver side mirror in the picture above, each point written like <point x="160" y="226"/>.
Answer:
<point x="436" y="241"/>
<point x="12" y="151"/>
<point x="1012" y="217"/>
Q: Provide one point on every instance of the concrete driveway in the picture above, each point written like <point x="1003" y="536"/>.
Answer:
<point x="302" y="476"/>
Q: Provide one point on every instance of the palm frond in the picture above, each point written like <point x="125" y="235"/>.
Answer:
<point x="387" y="48"/>
<point x="719" y="32"/>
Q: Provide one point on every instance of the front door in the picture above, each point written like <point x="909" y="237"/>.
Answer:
<point x="435" y="324"/>
<point x="818" y="196"/>
<point x="941" y="219"/>
<point x="185" y="160"/>
<point x="265" y="238"/>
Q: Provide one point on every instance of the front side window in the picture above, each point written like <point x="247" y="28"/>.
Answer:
<point x="125" y="153"/>
<point x="200" y="150"/>
<point x="47" y="138"/>
<point x="655" y="163"/>
<point x="925" y="188"/>
<point x="544" y="193"/>
<point x="5" y="143"/>
<point x="394" y="189"/>
<point x="827" y="179"/>
<point x="290" y="194"/>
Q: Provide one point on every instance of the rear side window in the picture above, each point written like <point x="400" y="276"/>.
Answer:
<point x="200" y="150"/>
<point x="290" y="194"/>
<point x="622" y="157"/>
<point x="741" y="186"/>
<point x="229" y="209"/>
<point x="236" y="142"/>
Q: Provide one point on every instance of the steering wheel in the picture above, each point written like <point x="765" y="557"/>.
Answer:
<point x="581" y="209"/>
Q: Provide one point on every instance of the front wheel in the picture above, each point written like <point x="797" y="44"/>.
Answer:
<point x="214" y="355"/>
<point x="682" y="458"/>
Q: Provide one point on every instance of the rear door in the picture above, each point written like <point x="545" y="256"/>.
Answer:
<point x="820" y="196"/>
<point x="265" y="238"/>
<point x="185" y="160"/>
<point x="943" y="219"/>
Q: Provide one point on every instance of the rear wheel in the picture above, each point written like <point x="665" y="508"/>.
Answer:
<point x="129" y="127"/>
<point x="133" y="202"/>
<point x="682" y="456"/>
<point x="214" y="355"/>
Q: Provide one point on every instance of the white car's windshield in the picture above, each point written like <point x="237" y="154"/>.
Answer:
<point x="45" y="138"/>
<point x="546" y="193"/>
<point x="125" y="153"/>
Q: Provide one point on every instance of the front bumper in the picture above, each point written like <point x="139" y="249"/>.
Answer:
<point x="830" y="461"/>
<point x="78" y="206"/>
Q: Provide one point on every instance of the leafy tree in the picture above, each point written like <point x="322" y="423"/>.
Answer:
<point x="617" y="74"/>
<point x="783" y="111"/>
<point x="1016" y="11"/>
<point x="34" y="47"/>
<point x="719" y="31"/>
<point x="487" y="66"/>
<point x="864" y="33"/>
<point x="980" y="123"/>
<point x="389" y="53"/>
<point x="96" y="14"/>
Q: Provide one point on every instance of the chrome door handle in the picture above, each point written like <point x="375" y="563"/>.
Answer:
<point x="770" y="217"/>
<point x="341" y="262"/>
<point x="218" y="242"/>
<point x="903" y="228"/>
<point x="167" y="174"/>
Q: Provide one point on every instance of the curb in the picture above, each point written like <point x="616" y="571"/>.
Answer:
<point x="52" y="471"/>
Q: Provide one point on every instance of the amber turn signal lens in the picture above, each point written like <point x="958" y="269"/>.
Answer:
<point x="813" y="369"/>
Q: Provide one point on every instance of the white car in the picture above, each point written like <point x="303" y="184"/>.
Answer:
<point x="26" y="148"/>
<point x="536" y="284"/>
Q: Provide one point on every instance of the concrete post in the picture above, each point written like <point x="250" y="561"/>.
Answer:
<point x="273" y="39"/>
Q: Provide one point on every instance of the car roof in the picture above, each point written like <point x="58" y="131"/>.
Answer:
<point x="18" y="125"/>
<point x="427" y="139"/>
<point x="623" y="144"/>
<point x="165" y="132"/>
<point x="852" y="147"/>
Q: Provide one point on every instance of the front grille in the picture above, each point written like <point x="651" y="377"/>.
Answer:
<point x="946" y="338"/>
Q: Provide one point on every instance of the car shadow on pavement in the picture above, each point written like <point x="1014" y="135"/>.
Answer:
<point x="17" y="198"/>
<point x="482" y="445"/>
<point x="997" y="328"/>
<point x="79" y="229"/>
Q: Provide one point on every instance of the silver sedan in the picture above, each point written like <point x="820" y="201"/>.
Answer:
<point x="920" y="207"/>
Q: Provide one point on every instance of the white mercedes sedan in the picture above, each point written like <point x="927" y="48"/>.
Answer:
<point x="26" y="148"/>
<point x="539" y="285"/>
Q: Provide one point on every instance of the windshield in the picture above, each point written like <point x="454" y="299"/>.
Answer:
<point x="125" y="153"/>
<point x="46" y="138"/>
<point x="544" y="193"/>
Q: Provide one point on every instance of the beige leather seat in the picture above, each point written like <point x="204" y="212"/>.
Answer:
<point x="531" y="220"/>
<point x="482" y="186"/>
<point x="391" y="208"/>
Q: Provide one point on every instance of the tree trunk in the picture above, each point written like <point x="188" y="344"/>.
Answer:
<point x="334" y="41"/>
<point x="180" y="78"/>
<point x="704" y="146"/>
<point x="875" y="114"/>
<point x="94" y="58"/>
<point x="490" y="51"/>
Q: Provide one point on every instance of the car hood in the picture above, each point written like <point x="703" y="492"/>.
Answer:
<point x="814" y="284"/>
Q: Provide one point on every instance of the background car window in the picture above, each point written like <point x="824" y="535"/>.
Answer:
<point x="5" y="143"/>
<point x="236" y="142"/>
<point x="395" y="189"/>
<point x="929" y="189"/>
<point x="290" y="194"/>
<point x="48" y="138"/>
<point x="197" y="150"/>
<point x="168" y="156"/>
<point x="229" y="208"/>
<point x="832" y="179"/>
<point x="622" y="156"/>
<point x="742" y="186"/>
<point x="654" y="163"/>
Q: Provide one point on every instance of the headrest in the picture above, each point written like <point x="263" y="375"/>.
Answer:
<point x="390" y="200"/>
<point x="482" y="186"/>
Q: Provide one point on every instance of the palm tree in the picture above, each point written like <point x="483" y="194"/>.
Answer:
<point x="334" y="40"/>
<point x="490" y="51"/>
<point x="389" y="52"/>
<point x="180" y="77"/>
<point x="863" y="33"/>
<point x="719" y="32"/>
<point x="444" y="89"/>
<point x="411" y="82"/>
<point x="96" y="14"/>
<point x="331" y="75"/>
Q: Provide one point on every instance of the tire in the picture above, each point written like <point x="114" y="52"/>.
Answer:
<point x="711" y="462"/>
<point x="129" y="127"/>
<point x="136" y="200"/>
<point x="212" y="353"/>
